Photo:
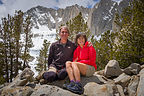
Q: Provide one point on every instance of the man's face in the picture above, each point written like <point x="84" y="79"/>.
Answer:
<point x="64" y="34"/>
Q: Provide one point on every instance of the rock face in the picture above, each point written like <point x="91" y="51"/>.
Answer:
<point x="103" y="15"/>
<point x="99" y="18"/>
<point x="99" y="84"/>
<point x="53" y="18"/>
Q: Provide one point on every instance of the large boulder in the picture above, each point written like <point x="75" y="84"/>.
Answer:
<point x="84" y="80"/>
<point x="47" y="90"/>
<point x="140" y="88"/>
<point x="17" y="91"/>
<point x="18" y="84"/>
<point x="120" y="90"/>
<point x="112" y="69"/>
<point x="122" y="80"/>
<point x="22" y="78"/>
<point x="133" y="69"/>
<point x="94" y="89"/>
<point x="132" y="86"/>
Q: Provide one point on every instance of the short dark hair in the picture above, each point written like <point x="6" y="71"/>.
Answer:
<point x="79" y="35"/>
<point x="65" y="27"/>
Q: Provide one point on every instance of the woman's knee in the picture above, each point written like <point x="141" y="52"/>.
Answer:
<point x="68" y="64"/>
<point x="74" y="65"/>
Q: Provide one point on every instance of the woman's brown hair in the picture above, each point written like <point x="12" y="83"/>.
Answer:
<point x="80" y="35"/>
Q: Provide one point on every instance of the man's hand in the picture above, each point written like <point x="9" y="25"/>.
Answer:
<point x="89" y="44"/>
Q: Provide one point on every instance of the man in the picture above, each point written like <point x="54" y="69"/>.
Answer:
<point x="60" y="52"/>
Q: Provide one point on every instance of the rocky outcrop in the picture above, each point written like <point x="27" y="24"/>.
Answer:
<point x="103" y="15"/>
<point x="100" y="18"/>
<point x="54" y="18"/>
<point x="100" y="84"/>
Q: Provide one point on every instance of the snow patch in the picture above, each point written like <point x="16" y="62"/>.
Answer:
<point x="86" y="17"/>
<point x="97" y="37"/>
<point x="51" y="18"/>
<point x="118" y="1"/>
<point x="59" y="19"/>
<point x="105" y="17"/>
<point x="110" y="11"/>
<point x="39" y="35"/>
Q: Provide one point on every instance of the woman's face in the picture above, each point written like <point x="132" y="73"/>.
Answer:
<point x="81" y="40"/>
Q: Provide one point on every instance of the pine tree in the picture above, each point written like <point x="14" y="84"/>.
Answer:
<point x="131" y="36"/>
<point x="27" y="41"/>
<point x="104" y="48"/>
<point x="2" y="80"/>
<point x="43" y="57"/>
<point x="11" y="45"/>
<point x="4" y="37"/>
<point x="77" y="25"/>
<point x="18" y="21"/>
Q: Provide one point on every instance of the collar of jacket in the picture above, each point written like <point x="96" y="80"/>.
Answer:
<point x="86" y="45"/>
<point x="67" y="43"/>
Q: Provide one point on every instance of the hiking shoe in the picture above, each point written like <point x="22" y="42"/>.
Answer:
<point x="71" y="84"/>
<point x="77" y="88"/>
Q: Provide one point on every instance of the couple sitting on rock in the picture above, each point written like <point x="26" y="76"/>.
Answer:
<point x="74" y="59"/>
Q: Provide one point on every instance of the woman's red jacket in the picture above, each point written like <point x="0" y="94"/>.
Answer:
<point x="86" y="55"/>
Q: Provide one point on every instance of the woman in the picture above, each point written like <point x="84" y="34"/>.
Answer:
<point x="83" y="64"/>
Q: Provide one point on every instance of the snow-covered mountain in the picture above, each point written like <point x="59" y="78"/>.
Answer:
<point x="45" y="21"/>
<point x="99" y="18"/>
<point x="52" y="18"/>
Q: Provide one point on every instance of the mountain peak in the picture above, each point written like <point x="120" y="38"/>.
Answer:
<point x="99" y="18"/>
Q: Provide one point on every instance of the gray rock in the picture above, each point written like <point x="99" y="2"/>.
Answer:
<point x="140" y="89"/>
<point x="20" y="80"/>
<point x="123" y="80"/>
<point x="112" y="69"/>
<point x="133" y="69"/>
<point x="94" y="89"/>
<point x="100" y="72"/>
<point x="47" y="90"/>
<point x="132" y="86"/>
<point x="17" y="91"/>
<point x="84" y="81"/>
<point x="142" y="66"/>
<point x="96" y="85"/>
<point x="120" y="90"/>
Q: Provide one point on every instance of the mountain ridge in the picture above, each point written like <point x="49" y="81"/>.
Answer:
<point x="99" y="18"/>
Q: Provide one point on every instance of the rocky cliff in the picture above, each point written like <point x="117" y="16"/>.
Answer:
<point x="112" y="81"/>
<point x="102" y="15"/>
<point x="99" y="18"/>
<point x="53" y="18"/>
